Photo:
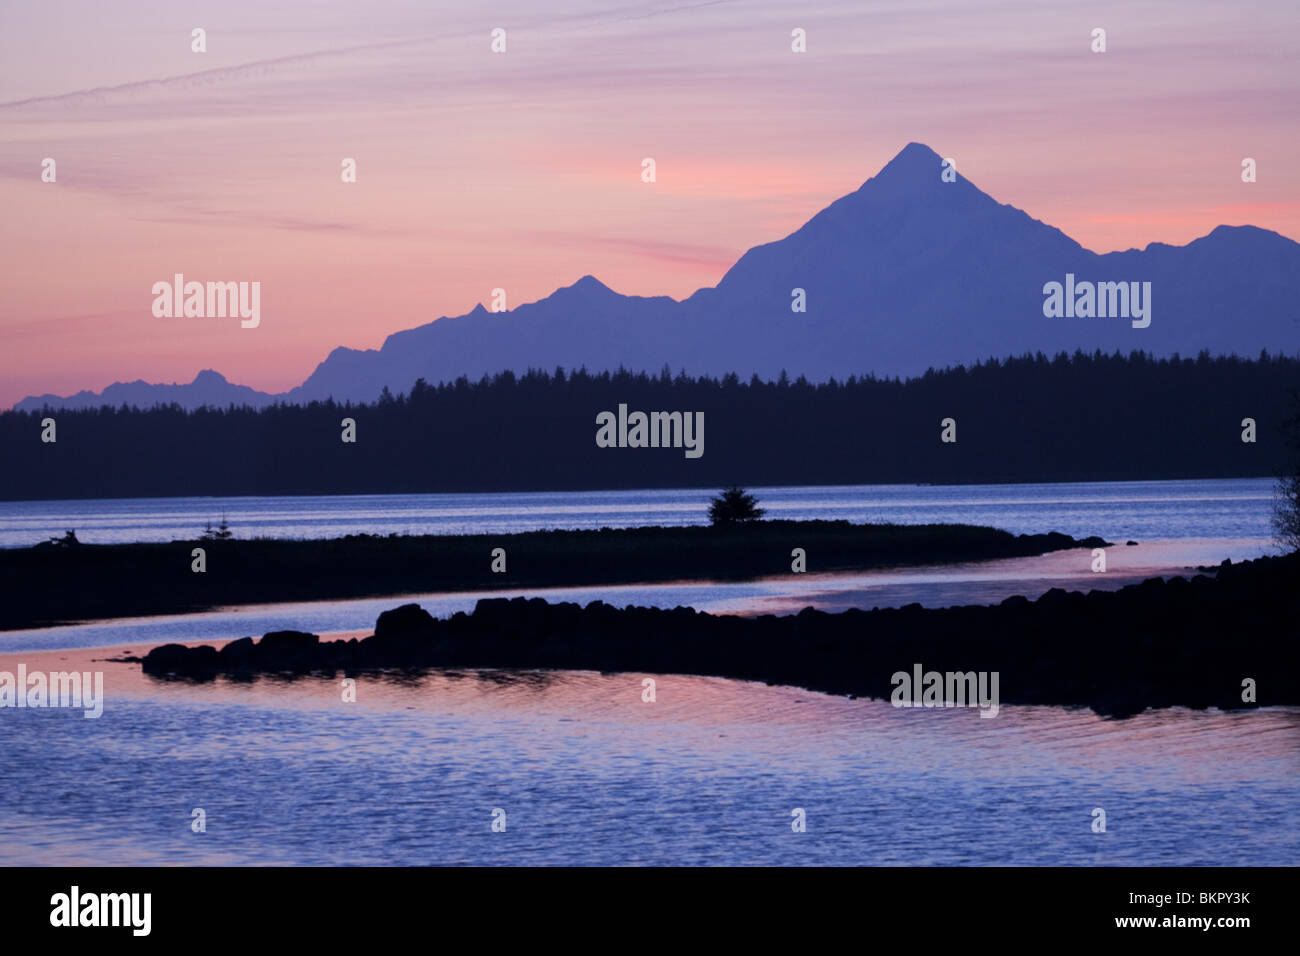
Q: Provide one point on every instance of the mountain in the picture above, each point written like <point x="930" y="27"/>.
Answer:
<point x="907" y="273"/>
<point x="208" y="388"/>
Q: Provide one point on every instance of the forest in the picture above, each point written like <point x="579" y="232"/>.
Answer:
<point x="1034" y="418"/>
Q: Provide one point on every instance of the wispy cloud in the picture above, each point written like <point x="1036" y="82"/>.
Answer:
<point x="477" y="169"/>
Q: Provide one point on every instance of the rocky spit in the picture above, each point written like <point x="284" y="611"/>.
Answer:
<point x="1196" y="642"/>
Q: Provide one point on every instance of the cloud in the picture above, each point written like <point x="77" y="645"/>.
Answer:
<point x="679" y="253"/>
<point x="190" y="82"/>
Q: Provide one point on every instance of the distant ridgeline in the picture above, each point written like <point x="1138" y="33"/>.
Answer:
<point x="1085" y="417"/>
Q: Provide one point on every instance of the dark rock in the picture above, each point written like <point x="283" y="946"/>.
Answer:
<point x="1155" y="644"/>
<point x="277" y="641"/>
<point x="285" y="650"/>
<point x="167" y="658"/>
<point x="180" y="660"/>
<point x="402" y="621"/>
<point x="238" y="652"/>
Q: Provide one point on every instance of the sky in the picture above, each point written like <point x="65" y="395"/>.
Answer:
<point x="522" y="170"/>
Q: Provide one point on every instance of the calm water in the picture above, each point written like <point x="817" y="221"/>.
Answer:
<point x="1178" y="525"/>
<point x="1236" y="508"/>
<point x="985" y="582"/>
<point x="586" y="772"/>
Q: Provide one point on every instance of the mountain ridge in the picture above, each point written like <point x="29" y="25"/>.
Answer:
<point x="905" y="273"/>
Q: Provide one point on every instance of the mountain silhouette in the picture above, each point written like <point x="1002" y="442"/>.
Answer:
<point x="209" y="388"/>
<point x="907" y="273"/>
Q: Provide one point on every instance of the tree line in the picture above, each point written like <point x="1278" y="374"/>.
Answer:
<point x="1029" y="418"/>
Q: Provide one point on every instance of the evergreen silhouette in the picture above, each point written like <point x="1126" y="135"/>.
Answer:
<point x="734" y="505"/>
<point x="1081" y="417"/>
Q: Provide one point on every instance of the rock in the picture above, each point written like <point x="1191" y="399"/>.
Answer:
<point x="403" y="621"/>
<point x="1158" y="644"/>
<point x="238" y="653"/>
<point x="285" y="650"/>
<point x="180" y="660"/>
<point x="169" y="658"/>
<point x="287" y="641"/>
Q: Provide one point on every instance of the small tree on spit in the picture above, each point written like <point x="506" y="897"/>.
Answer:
<point x="734" y="505"/>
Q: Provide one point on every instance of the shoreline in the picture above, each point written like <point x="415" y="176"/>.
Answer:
<point x="1156" y="644"/>
<point x="54" y="586"/>
<point x="704" y="489"/>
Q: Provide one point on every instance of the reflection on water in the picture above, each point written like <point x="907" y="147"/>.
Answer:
<point x="589" y="773"/>
<point x="986" y="582"/>
<point x="1218" y="508"/>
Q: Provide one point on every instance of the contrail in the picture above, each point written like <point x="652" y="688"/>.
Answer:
<point x="219" y="74"/>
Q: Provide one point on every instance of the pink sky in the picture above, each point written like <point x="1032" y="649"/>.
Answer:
<point x="522" y="170"/>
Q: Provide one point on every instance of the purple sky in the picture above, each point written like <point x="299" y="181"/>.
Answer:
<point x="522" y="170"/>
